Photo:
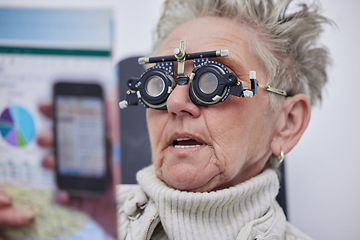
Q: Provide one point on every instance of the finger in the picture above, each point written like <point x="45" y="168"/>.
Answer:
<point x="49" y="161"/>
<point x="46" y="108"/>
<point x="4" y="199"/>
<point x="62" y="197"/>
<point x="45" y="138"/>
<point x="12" y="217"/>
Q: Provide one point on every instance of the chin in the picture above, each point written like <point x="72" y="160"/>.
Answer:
<point x="189" y="179"/>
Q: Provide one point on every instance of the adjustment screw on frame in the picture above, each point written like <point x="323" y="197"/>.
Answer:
<point x="179" y="53"/>
<point x="248" y="94"/>
<point x="123" y="104"/>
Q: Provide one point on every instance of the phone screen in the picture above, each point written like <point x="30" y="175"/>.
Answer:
<point x="80" y="136"/>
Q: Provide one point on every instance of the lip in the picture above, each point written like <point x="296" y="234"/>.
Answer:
<point x="186" y="136"/>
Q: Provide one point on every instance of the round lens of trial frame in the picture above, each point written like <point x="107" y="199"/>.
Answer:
<point x="208" y="83"/>
<point x="155" y="86"/>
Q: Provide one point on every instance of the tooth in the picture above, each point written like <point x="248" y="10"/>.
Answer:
<point x="182" y="139"/>
<point x="186" y="146"/>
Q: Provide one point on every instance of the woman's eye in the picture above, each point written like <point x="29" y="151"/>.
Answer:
<point x="208" y="83"/>
<point x="155" y="86"/>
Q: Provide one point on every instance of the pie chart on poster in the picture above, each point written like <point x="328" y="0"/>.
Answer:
<point x="17" y="126"/>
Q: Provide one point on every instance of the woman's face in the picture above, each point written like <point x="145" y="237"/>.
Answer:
<point x="200" y="149"/>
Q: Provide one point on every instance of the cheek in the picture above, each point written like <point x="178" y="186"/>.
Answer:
<point x="153" y="128"/>
<point x="156" y="120"/>
<point x="233" y="126"/>
<point x="228" y="124"/>
<point x="229" y="134"/>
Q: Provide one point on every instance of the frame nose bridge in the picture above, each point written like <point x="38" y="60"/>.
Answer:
<point x="189" y="66"/>
<point x="183" y="78"/>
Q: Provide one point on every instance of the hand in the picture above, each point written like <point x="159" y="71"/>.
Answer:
<point x="10" y="216"/>
<point x="103" y="208"/>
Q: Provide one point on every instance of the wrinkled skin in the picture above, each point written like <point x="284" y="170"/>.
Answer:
<point x="227" y="143"/>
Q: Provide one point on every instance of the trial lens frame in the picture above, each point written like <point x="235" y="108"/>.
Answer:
<point x="164" y="70"/>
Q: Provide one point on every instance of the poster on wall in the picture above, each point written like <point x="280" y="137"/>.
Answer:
<point x="37" y="48"/>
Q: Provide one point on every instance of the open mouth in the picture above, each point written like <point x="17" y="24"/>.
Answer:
<point x="186" y="143"/>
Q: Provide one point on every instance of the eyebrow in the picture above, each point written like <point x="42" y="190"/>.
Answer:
<point x="238" y="69"/>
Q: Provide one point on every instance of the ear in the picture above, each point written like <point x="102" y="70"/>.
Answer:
<point x="293" y="119"/>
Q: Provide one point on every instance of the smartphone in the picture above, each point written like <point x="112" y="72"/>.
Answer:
<point x="81" y="151"/>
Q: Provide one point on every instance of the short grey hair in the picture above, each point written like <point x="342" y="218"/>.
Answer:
<point x="287" y="45"/>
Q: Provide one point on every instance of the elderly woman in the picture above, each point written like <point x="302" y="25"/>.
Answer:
<point x="218" y="131"/>
<point x="214" y="161"/>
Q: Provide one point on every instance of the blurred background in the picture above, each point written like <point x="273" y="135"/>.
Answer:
<point x="322" y="171"/>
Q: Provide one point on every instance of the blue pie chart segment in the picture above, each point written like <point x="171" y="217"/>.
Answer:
<point x="17" y="126"/>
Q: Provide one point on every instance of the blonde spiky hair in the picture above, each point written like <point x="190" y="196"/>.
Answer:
<point x="287" y="44"/>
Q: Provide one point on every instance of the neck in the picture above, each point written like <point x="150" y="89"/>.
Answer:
<point x="213" y="215"/>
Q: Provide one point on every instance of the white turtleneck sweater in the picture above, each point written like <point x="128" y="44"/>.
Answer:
<point x="152" y="210"/>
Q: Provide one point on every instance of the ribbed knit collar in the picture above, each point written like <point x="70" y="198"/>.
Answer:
<point x="211" y="215"/>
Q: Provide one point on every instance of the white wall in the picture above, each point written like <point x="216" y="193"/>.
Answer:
<point x="322" y="170"/>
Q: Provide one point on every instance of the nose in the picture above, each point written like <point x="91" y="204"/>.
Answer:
<point x="179" y="103"/>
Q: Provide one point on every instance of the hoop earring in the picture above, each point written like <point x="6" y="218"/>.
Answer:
<point x="281" y="157"/>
